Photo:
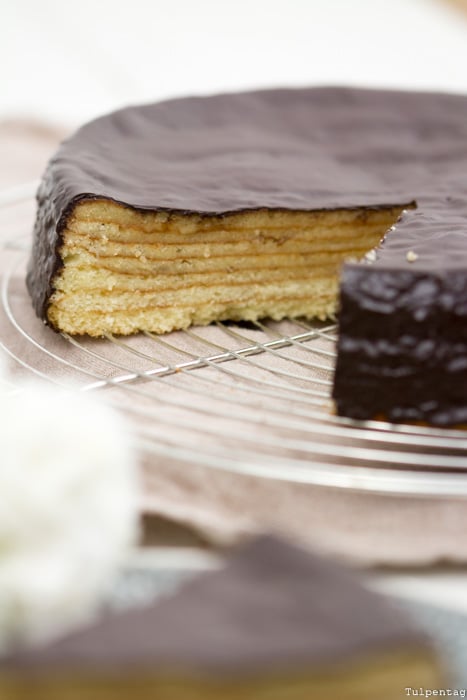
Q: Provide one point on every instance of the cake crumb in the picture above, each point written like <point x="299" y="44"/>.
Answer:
<point x="411" y="256"/>
<point x="370" y="256"/>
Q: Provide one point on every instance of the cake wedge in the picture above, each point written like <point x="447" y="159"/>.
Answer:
<point x="275" y="622"/>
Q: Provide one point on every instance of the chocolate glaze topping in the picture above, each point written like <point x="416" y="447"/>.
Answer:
<point x="301" y="149"/>
<point x="273" y="608"/>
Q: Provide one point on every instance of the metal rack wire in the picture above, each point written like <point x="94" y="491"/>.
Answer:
<point x="248" y="398"/>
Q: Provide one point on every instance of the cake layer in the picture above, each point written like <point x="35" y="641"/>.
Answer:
<point x="380" y="678"/>
<point x="276" y="622"/>
<point x="128" y="272"/>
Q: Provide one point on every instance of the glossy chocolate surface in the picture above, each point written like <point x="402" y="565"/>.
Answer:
<point x="306" y="149"/>
<point x="273" y="608"/>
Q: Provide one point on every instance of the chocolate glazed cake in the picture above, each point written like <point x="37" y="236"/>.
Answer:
<point x="249" y="205"/>
<point x="275" y="623"/>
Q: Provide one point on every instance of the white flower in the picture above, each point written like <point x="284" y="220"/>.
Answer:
<point x="68" y="509"/>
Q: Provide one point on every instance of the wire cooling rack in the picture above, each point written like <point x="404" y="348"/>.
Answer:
<point x="250" y="398"/>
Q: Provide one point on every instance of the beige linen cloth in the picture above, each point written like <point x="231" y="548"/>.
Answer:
<point x="221" y="506"/>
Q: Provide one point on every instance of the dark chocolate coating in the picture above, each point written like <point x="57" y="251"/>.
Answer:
<point x="272" y="609"/>
<point x="402" y="350"/>
<point x="304" y="149"/>
<point x="403" y="346"/>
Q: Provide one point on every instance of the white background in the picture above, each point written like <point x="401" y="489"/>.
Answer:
<point x="68" y="61"/>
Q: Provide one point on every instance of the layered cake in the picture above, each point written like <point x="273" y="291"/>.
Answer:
<point x="249" y="205"/>
<point x="274" y="623"/>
